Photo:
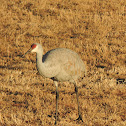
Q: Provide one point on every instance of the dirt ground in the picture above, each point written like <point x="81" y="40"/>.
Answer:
<point x="95" y="29"/>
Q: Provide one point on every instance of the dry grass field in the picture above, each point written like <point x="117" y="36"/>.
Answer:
<point x="95" y="29"/>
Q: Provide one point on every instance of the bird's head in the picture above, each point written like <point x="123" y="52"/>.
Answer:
<point x="35" y="47"/>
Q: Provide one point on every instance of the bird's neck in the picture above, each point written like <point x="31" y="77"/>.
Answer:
<point x="39" y="57"/>
<point x="40" y="65"/>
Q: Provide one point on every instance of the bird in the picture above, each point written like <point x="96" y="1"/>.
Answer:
<point x="60" y="65"/>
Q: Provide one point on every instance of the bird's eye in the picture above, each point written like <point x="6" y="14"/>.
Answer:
<point x="33" y="46"/>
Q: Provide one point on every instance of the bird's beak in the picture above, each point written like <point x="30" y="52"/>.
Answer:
<point x="27" y="52"/>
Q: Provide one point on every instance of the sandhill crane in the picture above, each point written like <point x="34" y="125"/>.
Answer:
<point x="59" y="64"/>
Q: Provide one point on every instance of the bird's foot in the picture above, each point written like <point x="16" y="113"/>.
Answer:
<point x="79" y="118"/>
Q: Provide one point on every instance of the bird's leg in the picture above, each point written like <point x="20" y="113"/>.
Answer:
<point x="57" y="97"/>
<point x="76" y="90"/>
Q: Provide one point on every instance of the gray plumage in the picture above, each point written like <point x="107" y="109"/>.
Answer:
<point x="59" y="64"/>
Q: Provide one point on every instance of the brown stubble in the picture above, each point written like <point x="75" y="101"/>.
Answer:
<point x="93" y="29"/>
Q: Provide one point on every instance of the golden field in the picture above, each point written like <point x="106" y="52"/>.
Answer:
<point x="95" y="29"/>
